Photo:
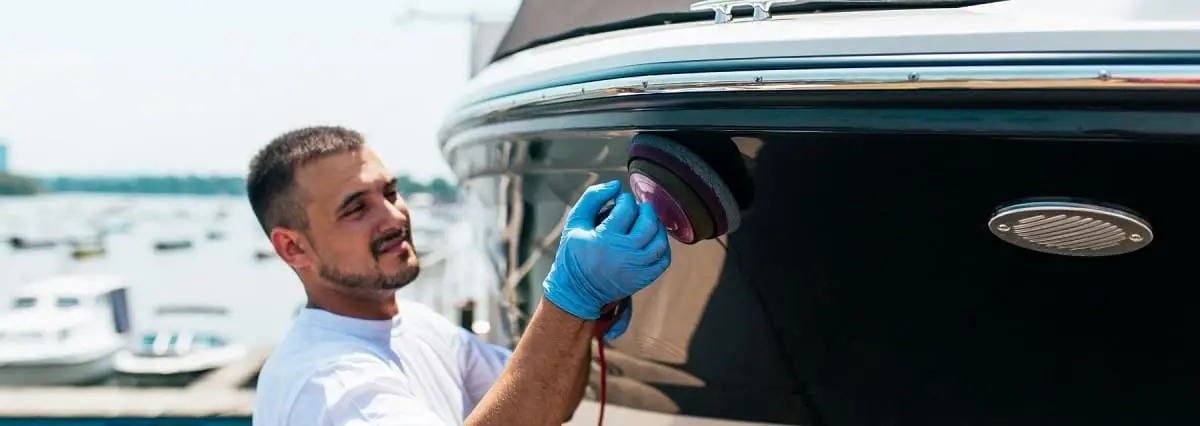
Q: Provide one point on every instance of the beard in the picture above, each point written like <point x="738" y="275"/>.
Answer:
<point x="370" y="282"/>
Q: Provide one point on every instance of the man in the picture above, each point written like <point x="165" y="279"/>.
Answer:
<point x="355" y="356"/>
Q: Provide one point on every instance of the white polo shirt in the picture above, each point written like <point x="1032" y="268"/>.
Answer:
<point x="416" y="369"/>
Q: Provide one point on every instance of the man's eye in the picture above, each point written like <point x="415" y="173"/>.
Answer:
<point x="391" y="195"/>
<point x="354" y="210"/>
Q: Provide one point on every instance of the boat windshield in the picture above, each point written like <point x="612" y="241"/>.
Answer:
<point x="175" y="341"/>
<point x="29" y="302"/>
<point x="208" y="341"/>
<point x="150" y="339"/>
<point x="67" y="302"/>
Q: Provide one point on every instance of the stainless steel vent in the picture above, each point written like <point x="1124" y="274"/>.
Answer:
<point x="1071" y="228"/>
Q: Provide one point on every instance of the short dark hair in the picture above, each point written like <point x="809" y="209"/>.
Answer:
<point x="271" y="183"/>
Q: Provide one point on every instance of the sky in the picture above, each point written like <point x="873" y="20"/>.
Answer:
<point x="120" y="87"/>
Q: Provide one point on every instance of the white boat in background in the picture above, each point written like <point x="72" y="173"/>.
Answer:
<point x="63" y="331"/>
<point x="174" y="356"/>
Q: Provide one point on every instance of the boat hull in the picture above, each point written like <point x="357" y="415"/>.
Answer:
<point x="864" y="285"/>
<point x="134" y="370"/>
<point x="67" y="371"/>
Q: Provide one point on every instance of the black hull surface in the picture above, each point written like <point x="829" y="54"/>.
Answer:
<point x="864" y="286"/>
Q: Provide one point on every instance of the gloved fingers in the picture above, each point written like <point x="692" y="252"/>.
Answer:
<point x="621" y="324"/>
<point x="661" y="266"/>
<point x="623" y="214"/>
<point x="655" y="270"/>
<point x="646" y="227"/>
<point x="583" y="214"/>
<point x="658" y="248"/>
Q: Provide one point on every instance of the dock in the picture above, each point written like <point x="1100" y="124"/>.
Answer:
<point x="219" y="393"/>
<point x="233" y="376"/>
<point x="124" y="402"/>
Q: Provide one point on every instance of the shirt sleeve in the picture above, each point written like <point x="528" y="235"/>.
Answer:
<point x="358" y="390"/>
<point x="482" y="363"/>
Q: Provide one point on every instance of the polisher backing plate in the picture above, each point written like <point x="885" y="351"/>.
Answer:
<point x="678" y="207"/>
<point x="699" y="176"/>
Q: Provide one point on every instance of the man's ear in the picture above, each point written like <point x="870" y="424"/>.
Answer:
<point x="292" y="247"/>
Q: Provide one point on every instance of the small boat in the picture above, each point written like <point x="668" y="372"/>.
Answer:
<point x="63" y="331"/>
<point x="88" y="251"/>
<point x="88" y="247"/>
<point x="169" y="245"/>
<point x="263" y="254"/>
<point x="23" y="243"/>
<point x="175" y="356"/>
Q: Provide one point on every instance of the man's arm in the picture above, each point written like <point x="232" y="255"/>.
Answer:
<point x="546" y="367"/>
<point x="484" y="362"/>
<point x="581" y="382"/>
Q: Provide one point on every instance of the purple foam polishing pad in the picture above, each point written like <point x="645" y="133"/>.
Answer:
<point x="696" y="173"/>
<point x="669" y="212"/>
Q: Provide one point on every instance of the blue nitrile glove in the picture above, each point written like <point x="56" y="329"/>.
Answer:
<point x="599" y="264"/>
<point x="622" y="322"/>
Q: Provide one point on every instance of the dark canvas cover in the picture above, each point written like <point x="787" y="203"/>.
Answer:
<point x="541" y="21"/>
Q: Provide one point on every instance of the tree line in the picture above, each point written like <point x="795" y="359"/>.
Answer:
<point x="11" y="184"/>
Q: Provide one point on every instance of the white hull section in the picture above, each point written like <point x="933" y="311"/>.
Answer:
<point x="195" y="362"/>
<point x="64" y="369"/>
<point x="1028" y="26"/>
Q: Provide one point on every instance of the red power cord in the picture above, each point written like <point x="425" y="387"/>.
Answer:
<point x="608" y="316"/>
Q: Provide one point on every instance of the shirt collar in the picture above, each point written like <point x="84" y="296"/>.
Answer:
<point x="370" y="329"/>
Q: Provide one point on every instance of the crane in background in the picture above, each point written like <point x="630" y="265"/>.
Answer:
<point x="487" y="29"/>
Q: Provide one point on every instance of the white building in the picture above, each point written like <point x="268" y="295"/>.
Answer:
<point x="3" y="157"/>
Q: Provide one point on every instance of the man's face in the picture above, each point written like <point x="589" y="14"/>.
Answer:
<point x="358" y="226"/>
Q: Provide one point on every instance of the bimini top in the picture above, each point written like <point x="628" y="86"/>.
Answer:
<point x="545" y="21"/>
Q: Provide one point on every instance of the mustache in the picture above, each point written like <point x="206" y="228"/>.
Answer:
<point x="377" y="245"/>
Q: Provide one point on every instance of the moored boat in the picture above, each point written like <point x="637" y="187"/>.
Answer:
<point x="64" y="330"/>
<point x="175" y="355"/>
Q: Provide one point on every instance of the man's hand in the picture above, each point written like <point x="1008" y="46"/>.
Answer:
<point x="600" y="264"/>
<point x="596" y="264"/>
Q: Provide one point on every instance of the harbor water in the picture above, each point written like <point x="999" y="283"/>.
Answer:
<point x="233" y="268"/>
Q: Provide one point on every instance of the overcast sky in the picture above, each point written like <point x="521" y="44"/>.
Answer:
<point x="174" y="86"/>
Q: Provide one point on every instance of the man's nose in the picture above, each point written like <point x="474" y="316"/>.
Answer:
<point x="394" y="212"/>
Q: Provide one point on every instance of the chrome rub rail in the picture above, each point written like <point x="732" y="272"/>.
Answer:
<point x="1182" y="77"/>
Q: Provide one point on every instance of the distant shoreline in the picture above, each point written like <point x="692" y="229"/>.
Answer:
<point x="16" y="185"/>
